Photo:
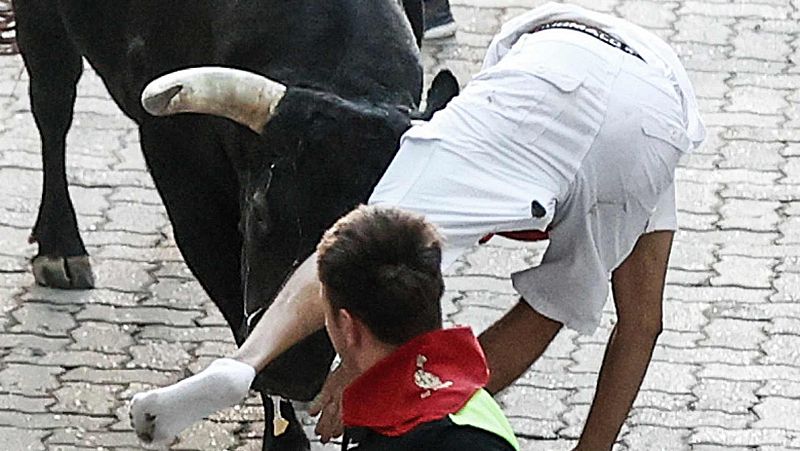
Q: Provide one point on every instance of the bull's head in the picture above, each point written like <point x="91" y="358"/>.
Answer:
<point x="315" y="157"/>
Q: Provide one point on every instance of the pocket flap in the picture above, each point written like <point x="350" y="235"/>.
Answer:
<point x="565" y="82"/>
<point x="668" y="132"/>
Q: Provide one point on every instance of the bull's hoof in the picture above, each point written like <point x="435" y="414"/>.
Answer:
<point x="64" y="272"/>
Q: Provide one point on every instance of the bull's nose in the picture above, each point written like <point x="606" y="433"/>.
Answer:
<point x="155" y="102"/>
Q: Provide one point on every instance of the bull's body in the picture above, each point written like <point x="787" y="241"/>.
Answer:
<point x="205" y="168"/>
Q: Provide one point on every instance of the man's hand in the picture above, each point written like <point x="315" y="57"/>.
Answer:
<point x="329" y="403"/>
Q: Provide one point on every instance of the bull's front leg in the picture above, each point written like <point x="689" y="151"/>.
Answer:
<point x="54" y="65"/>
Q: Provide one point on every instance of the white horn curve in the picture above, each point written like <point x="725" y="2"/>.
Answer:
<point x="247" y="98"/>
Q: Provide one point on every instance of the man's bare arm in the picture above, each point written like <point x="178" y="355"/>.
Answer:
<point x="638" y="286"/>
<point x="298" y="309"/>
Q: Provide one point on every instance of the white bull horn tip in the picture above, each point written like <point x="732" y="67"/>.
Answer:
<point x="155" y="101"/>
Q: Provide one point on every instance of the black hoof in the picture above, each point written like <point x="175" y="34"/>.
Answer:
<point x="63" y="272"/>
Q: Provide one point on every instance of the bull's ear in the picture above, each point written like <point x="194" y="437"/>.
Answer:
<point x="443" y="89"/>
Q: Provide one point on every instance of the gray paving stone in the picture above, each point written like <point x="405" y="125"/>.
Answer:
<point x="84" y="398"/>
<point x="94" y="440"/>
<point x="191" y="334"/>
<point x="750" y="155"/>
<point x="117" y="376"/>
<point x="716" y="294"/>
<point x="760" y="45"/>
<point x="759" y="312"/>
<point x="517" y="400"/>
<point x="679" y="339"/>
<point x="788" y="288"/>
<point x="729" y="176"/>
<point x="123" y="276"/>
<point x="136" y="218"/>
<point x="779" y="251"/>
<point x="649" y="14"/>
<point x="656" y="438"/>
<point x="728" y="237"/>
<point x="699" y="222"/>
<point x="735" y="119"/>
<point x="736" y="10"/>
<point x="130" y="195"/>
<point x="789" y="326"/>
<point x="138" y="315"/>
<point x="705" y="354"/>
<point x="744" y="272"/>
<point x="780" y="389"/>
<point x="743" y="437"/>
<point x="20" y="403"/>
<point x="750" y="215"/>
<point x="74" y="298"/>
<point x="705" y="29"/>
<point x="102" y="238"/>
<point x="790" y="229"/>
<point x="126" y="253"/>
<point x="734" y="333"/>
<point x="749" y="373"/>
<point x="670" y="377"/>
<point x="180" y="294"/>
<point x="721" y="448"/>
<point x="22" y="439"/>
<point x="726" y="396"/>
<point x="206" y="434"/>
<point x="698" y="197"/>
<point x="29" y="380"/>
<point x="43" y="319"/>
<point x="781" y="350"/>
<point x="159" y="355"/>
<point x="103" y="337"/>
<point x="215" y="348"/>
<point x="782" y="134"/>
<point x="67" y="358"/>
<point x="29" y="341"/>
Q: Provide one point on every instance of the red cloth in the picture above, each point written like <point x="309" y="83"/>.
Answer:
<point x="388" y="398"/>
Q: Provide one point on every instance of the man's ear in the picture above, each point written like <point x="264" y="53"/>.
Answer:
<point x="352" y="328"/>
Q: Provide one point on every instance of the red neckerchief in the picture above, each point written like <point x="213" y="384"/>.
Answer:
<point x="424" y="380"/>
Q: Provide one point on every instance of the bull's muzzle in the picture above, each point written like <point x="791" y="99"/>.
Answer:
<point x="247" y="98"/>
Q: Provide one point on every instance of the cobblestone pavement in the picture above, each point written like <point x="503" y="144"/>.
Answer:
<point x="726" y="372"/>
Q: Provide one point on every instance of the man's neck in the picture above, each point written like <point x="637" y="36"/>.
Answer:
<point x="373" y="354"/>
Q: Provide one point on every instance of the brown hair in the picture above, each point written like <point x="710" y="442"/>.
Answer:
<point x="383" y="266"/>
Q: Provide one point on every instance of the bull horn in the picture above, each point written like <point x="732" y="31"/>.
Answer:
<point x="247" y="98"/>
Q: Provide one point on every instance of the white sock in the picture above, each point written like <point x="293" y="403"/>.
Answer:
<point x="160" y="415"/>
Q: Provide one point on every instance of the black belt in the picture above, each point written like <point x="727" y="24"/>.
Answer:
<point x="597" y="33"/>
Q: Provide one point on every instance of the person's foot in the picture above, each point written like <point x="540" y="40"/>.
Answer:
<point x="159" y="415"/>
<point x="439" y="21"/>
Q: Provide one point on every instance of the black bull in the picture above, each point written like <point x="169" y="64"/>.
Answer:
<point x="245" y="207"/>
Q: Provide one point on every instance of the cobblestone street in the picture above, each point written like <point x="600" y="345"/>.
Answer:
<point x="726" y="371"/>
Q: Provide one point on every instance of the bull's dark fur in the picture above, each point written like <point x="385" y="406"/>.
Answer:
<point x="245" y="208"/>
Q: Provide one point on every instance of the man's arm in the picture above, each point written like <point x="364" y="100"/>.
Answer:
<point x="298" y="309"/>
<point x="638" y="286"/>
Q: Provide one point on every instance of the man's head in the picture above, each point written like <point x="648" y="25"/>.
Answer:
<point x="381" y="276"/>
